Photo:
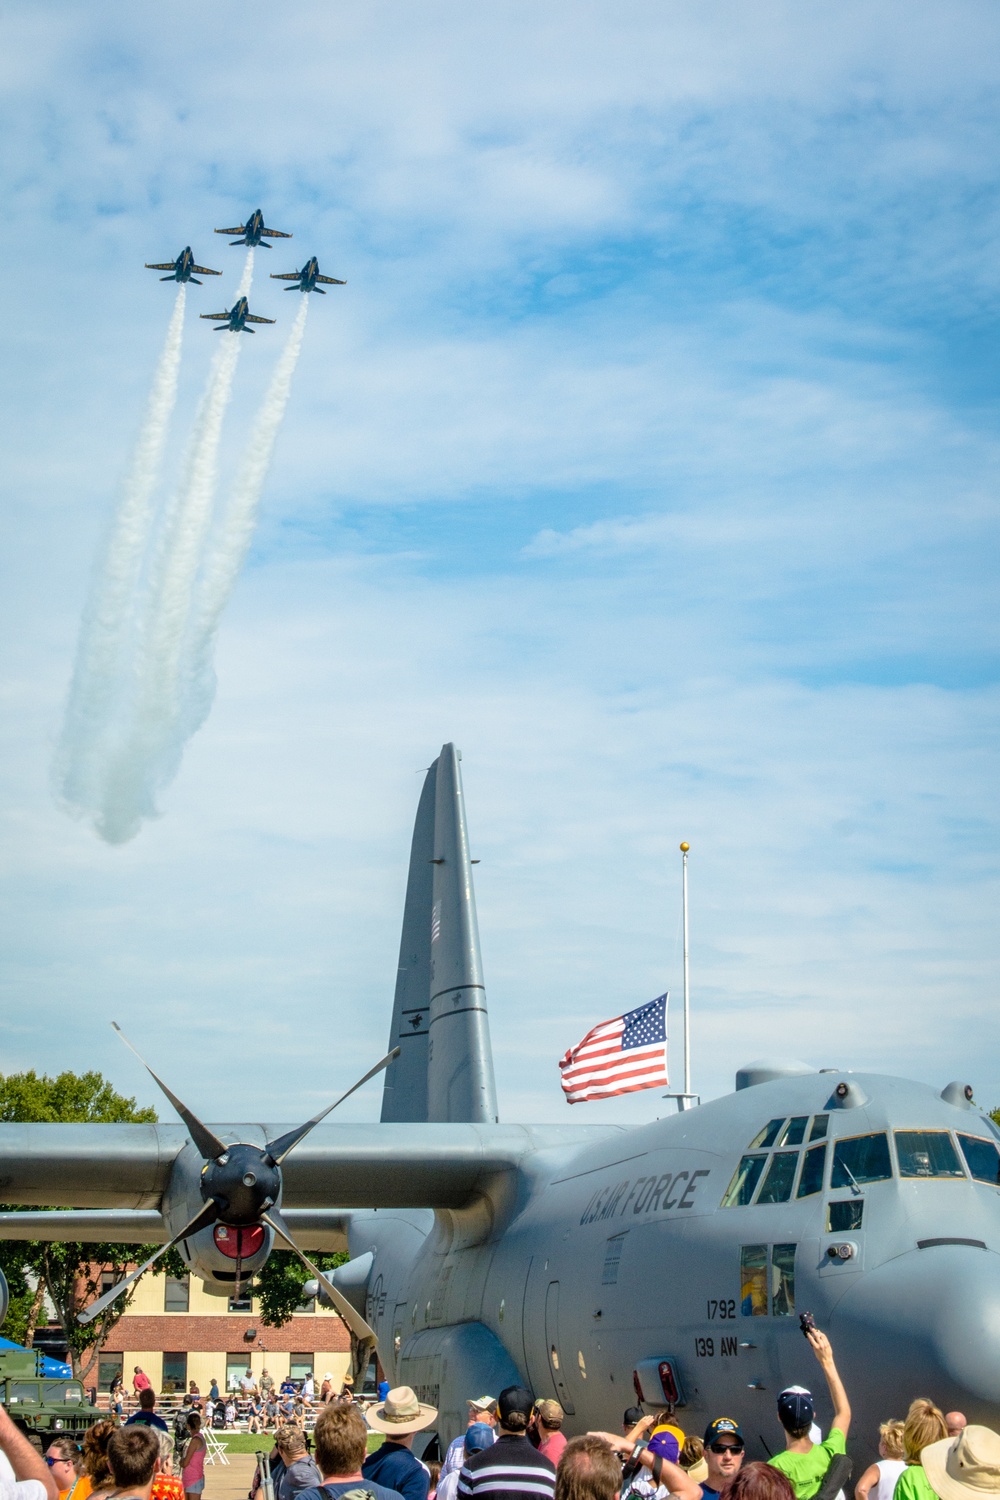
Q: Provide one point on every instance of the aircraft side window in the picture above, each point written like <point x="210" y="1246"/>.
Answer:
<point x="782" y="1280"/>
<point x="819" y="1125"/>
<point x="794" y="1132"/>
<point x="811" y="1180"/>
<point x="843" y="1217"/>
<point x="780" y="1176"/>
<point x="765" y="1139"/>
<point x="861" y="1158"/>
<point x="745" y="1179"/>
<point x="753" y="1281"/>
<point x="927" y="1153"/>
<point x="982" y="1158"/>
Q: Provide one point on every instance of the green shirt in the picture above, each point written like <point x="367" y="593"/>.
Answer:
<point x="913" y="1484"/>
<point x="805" y="1471"/>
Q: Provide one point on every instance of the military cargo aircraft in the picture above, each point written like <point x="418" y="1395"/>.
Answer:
<point x="183" y="268"/>
<point x="253" y="232"/>
<point x="596" y="1263"/>
<point x="236" y="320"/>
<point x="306" y="278"/>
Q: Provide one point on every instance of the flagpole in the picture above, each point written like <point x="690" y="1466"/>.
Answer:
<point x="687" y="982"/>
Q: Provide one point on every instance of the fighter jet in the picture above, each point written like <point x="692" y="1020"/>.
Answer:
<point x="182" y="269"/>
<point x="252" y="231"/>
<point x="236" y="320"/>
<point x="670" y="1259"/>
<point x="306" y="278"/>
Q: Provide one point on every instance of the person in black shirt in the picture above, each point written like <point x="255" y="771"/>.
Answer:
<point x="511" y="1469"/>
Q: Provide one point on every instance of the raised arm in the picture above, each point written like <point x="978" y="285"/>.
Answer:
<point x="677" y="1480"/>
<point x="823" y="1351"/>
<point x="25" y="1460"/>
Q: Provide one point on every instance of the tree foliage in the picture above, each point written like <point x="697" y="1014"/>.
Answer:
<point x="71" y="1273"/>
<point x="278" y="1287"/>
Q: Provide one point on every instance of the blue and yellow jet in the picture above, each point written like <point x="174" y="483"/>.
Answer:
<point x="237" y="318"/>
<point x="253" y="232"/>
<point x="183" y="268"/>
<point x="307" y="278"/>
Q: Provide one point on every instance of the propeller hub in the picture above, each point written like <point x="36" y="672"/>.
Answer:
<point x="244" y="1182"/>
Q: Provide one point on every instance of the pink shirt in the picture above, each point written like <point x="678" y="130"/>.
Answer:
<point x="553" y="1447"/>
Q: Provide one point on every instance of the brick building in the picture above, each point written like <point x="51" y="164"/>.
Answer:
<point x="177" y="1333"/>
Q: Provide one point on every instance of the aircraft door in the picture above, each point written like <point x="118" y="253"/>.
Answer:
<point x="554" y="1350"/>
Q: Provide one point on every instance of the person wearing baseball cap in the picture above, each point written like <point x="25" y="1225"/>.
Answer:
<point x="478" y="1435"/>
<point x="547" y="1423"/>
<point x="393" y="1465"/>
<point x="805" y="1463"/>
<point x="966" y="1467"/>
<point x="511" y="1469"/>
<point x="652" y="1465"/>
<point x="724" y="1450"/>
<point x="482" y="1410"/>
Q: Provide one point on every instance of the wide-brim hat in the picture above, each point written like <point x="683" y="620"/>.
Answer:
<point x="966" y="1467"/>
<point x="401" y="1412"/>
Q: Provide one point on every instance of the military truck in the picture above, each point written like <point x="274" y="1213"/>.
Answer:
<point x="40" y="1405"/>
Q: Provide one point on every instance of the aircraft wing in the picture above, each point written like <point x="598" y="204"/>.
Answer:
<point x="241" y="230"/>
<point x="223" y="316"/>
<point x="405" y="1165"/>
<point x="202" y="271"/>
<point x="286" y="275"/>
<point x="252" y="318"/>
<point x="331" y="280"/>
<point x="170" y="265"/>
<point x="314" y="1229"/>
<point x="276" y="234"/>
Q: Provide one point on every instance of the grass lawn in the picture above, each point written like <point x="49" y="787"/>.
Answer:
<point x="256" y="1442"/>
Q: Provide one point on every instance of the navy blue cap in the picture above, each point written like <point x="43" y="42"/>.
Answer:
<point x="796" y="1408"/>
<point x="722" y="1427"/>
<point x="478" y="1437"/>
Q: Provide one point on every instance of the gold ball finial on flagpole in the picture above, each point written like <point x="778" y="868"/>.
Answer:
<point x="685" y="848"/>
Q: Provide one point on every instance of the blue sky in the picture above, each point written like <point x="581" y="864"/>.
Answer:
<point x="650" y="454"/>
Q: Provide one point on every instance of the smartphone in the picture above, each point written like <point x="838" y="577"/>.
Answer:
<point x="807" y="1323"/>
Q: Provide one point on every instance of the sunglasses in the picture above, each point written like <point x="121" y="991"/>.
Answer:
<point x="51" y="1461"/>
<point x="726" y="1447"/>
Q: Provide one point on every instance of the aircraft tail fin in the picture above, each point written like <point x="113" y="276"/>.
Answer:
<point x="439" y="1018"/>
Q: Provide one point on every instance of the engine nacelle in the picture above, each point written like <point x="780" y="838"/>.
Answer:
<point x="213" y="1253"/>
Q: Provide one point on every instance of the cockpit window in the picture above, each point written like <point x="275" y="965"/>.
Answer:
<point x="861" y="1158"/>
<point x="982" y="1158"/>
<point x="820" y="1122"/>
<point x="811" y="1180"/>
<point x="745" y="1179"/>
<point x="766" y="1137"/>
<point x="794" y="1132"/>
<point x="927" y="1153"/>
<point x="780" y="1176"/>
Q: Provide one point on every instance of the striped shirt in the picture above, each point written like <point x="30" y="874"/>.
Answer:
<point x="511" y="1470"/>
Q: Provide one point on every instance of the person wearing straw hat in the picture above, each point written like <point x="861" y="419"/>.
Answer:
<point x="966" y="1467"/>
<point x="393" y="1465"/>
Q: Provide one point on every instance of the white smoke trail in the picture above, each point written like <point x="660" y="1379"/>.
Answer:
<point x="148" y="757"/>
<point x="99" y="672"/>
<point x="238" y="523"/>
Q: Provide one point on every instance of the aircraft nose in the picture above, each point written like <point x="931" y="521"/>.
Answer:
<point x="932" y="1316"/>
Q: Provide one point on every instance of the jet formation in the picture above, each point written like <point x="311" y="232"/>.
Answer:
<point x="252" y="233"/>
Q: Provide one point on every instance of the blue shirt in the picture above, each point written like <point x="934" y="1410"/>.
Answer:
<point x="341" y="1486"/>
<point x="397" y="1469"/>
<point x="147" y="1419"/>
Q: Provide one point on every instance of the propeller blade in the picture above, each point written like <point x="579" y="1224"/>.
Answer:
<point x="279" y="1149"/>
<point x="206" y="1140"/>
<point x="350" y="1315"/>
<point x="206" y="1215"/>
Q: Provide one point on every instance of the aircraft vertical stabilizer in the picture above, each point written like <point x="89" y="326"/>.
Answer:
<point x="439" y="1017"/>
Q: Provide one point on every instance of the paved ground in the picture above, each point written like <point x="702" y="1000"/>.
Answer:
<point x="230" y="1481"/>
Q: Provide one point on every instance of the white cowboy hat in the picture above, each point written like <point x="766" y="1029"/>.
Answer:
<point x="401" y="1412"/>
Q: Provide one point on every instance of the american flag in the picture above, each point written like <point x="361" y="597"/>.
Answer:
<point x="619" y="1056"/>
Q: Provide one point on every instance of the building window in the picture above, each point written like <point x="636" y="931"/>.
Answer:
<point x="175" y="1372"/>
<point x="242" y="1303"/>
<point x="109" y="1370"/>
<point x="308" y="1306"/>
<point x="299" y="1366"/>
<point x="177" y="1294"/>
<point x="236" y="1368"/>
<point x="108" y="1279"/>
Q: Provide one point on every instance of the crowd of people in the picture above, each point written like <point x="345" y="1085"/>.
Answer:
<point x="513" y="1448"/>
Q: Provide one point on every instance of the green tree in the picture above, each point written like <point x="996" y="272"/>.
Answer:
<point x="278" y="1287"/>
<point x="71" y="1273"/>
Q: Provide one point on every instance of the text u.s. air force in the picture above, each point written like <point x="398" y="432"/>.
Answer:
<point x="646" y="1195"/>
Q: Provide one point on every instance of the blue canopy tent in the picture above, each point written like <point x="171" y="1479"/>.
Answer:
<point x="51" y="1367"/>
